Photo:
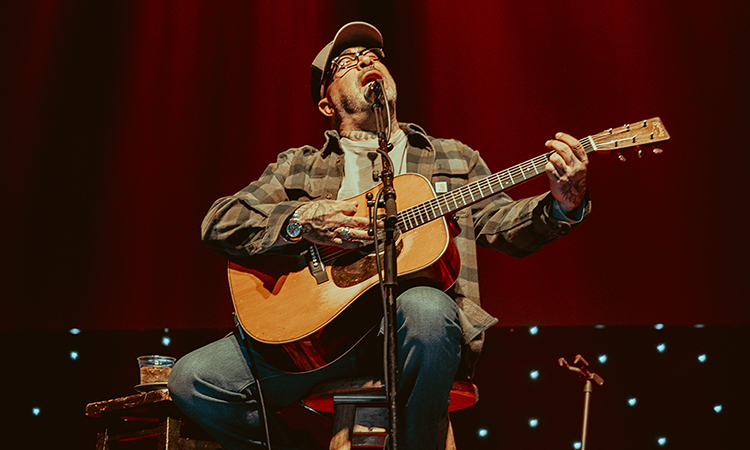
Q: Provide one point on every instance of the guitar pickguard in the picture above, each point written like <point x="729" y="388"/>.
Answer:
<point x="354" y="268"/>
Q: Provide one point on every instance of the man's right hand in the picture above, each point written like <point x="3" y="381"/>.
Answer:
<point x="326" y="222"/>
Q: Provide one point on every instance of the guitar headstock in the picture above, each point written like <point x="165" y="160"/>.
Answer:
<point x="645" y="132"/>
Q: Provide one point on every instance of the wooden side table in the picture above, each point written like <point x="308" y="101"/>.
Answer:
<point x="140" y="416"/>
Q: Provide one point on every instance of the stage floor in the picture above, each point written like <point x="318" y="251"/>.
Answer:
<point x="665" y="387"/>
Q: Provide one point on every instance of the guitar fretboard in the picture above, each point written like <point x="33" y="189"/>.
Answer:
<point x="475" y="192"/>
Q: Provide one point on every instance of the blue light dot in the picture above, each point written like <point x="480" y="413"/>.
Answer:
<point x="482" y="432"/>
<point x="73" y="355"/>
<point x="632" y="401"/>
<point x="533" y="423"/>
<point x="599" y="327"/>
<point x="718" y="408"/>
<point x="36" y="411"/>
<point x="165" y="341"/>
<point x="661" y="347"/>
<point x="577" y="444"/>
<point x="534" y="374"/>
<point x="602" y="359"/>
<point x="166" y="330"/>
<point x="702" y="358"/>
<point x="662" y="441"/>
<point x="699" y="325"/>
<point x="659" y="326"/>
<point x="533" y="330"/>
<point x="74" y="331"/>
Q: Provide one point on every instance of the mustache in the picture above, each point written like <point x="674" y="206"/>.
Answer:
<point x="366" y="72"/>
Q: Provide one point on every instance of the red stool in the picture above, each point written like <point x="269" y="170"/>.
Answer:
<point x="360" y="412"/>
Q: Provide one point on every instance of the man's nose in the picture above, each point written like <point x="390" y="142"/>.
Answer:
<point x="366" y="60"/>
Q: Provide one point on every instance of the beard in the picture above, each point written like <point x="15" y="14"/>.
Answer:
<point x="353" y="101"/>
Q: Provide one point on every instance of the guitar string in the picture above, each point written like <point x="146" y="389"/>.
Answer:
<point x="437" y="207"/>
<point x="495" y="183"/>
<point x="440" y="206"/>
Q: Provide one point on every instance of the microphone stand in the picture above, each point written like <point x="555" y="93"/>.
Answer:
<point x="389" y="260"/>
<point x="588" y="388"/>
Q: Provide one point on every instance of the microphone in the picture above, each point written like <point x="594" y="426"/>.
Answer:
<point x="374" y="91"/>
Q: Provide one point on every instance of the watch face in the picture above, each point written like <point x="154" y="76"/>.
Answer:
<point x="293" y="229"/>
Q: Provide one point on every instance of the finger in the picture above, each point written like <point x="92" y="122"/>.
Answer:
<point x="353" y="234"/>
<point x="561" y="149"/>
<point x="357" y="222"/>
<point x="574" y="144"/>
<point x="350" y="243"/>
<point x="556" y="165"/>
<point x="359" y="234"/>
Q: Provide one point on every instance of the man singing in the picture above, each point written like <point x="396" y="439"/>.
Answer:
<point x="302" y="198"/>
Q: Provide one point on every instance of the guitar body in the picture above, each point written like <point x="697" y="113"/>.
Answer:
<point x="304" y="315"/>
<point x="300" y="324"/>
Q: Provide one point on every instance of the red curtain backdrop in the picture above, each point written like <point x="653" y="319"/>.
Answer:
<point x="123" y="121"/>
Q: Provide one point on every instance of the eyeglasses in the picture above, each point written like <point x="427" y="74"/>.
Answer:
<point x="348" y="60"/>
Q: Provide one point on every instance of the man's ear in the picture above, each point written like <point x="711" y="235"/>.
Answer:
<point x="326" y="108"/>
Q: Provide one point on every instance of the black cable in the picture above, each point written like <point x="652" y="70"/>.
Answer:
<point x="254" y="370"/>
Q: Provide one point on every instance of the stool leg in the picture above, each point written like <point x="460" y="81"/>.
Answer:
<point x="169" y="434"/>
<point x="445" y="429"/>
<point x="344" y="415"/>
<point x="101" y="440"/>
<point x="450" y="441"/>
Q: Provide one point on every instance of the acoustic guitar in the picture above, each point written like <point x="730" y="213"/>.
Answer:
<point x="306" y="308"/>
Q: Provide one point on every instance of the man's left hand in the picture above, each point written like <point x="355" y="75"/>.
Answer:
<point x="566" y="170"/>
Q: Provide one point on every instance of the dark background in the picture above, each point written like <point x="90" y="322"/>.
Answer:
<point x="123" y="121"/>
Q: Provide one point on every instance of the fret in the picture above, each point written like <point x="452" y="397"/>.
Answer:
<point x="430" y="211"/>
<point x="410" y="218"/>
<point x="419" y="218"/>
<point x="463" y="199"/>
<point x="423" y="215"/>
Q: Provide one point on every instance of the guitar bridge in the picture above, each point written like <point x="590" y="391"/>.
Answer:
<point x="315" y="264"/>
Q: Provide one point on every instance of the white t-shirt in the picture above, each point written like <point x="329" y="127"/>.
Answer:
<point x="358" y="167"/>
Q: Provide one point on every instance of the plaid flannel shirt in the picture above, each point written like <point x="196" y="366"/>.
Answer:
<point x="250" y="221"/>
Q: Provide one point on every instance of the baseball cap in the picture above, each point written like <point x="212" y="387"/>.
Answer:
<point x="350" y="35"/>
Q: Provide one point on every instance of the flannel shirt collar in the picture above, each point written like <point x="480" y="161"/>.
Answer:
<point x="416" y="135"/>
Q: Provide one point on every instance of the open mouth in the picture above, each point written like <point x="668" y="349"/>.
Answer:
<point x="371" y="76"/>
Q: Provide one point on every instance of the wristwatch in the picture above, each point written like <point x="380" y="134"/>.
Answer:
<point x="293" y="230"/>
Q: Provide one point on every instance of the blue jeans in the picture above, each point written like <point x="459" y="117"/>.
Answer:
<point x="215" y="387"/>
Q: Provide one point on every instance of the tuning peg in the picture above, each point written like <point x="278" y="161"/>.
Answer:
<point x="640" y="153"/>
<point x="621" y="157"/>
<point x="658" y="151"/>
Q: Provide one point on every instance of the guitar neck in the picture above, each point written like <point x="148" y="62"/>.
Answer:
<point x="460" y="198"/>
<point x="612" y="140"/>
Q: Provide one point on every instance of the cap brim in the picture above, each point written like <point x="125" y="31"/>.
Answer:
<point x="350" y="35"/>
